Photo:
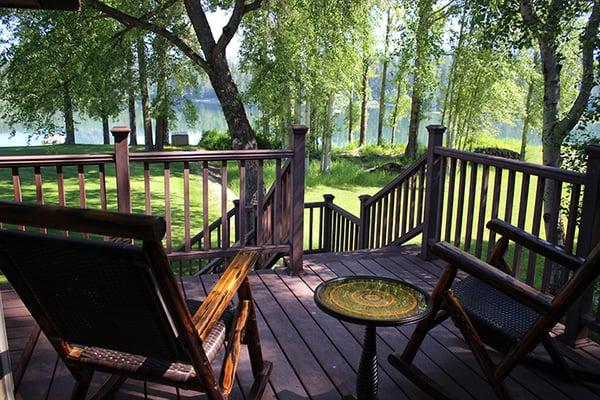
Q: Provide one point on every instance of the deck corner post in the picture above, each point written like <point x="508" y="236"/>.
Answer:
<point x="589" y="236"/>
<point x="327" y="216"/>
<point x="297" y="217"/>
<point x="432" y="225"/>
<point x="121" y="135"/>
<point x="363" y="229"/>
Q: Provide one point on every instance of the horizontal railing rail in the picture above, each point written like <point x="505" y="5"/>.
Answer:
<point x="187" y="188"/>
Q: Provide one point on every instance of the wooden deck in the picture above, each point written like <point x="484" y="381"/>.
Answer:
<point x="314" y="355"/>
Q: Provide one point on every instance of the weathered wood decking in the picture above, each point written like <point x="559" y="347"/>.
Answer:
<point x="314" y="355"/>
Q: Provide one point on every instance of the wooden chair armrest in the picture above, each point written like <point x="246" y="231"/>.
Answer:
<point x="534" y="243"/>
<point x="215" y="304"/>
<point x="487" y="273"/>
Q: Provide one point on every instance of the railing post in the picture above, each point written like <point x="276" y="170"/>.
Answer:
<point x="327" y="217"/>
<point x="297" y="227"/>
<point x="589" y="237"/>
<point x="121" y="134"/>
<point x="363" y="229"/>
<point x="432" y="225"/>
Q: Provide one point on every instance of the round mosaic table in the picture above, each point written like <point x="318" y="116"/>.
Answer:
<point x="371" y="301"/>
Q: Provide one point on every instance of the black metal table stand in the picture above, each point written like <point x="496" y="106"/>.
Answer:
<point x="367" y="379"/>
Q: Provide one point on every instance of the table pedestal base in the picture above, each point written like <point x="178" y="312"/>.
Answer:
<point x="367" y="379"/>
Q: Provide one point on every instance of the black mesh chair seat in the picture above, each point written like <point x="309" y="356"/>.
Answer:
<point x="152" y="368"/>
<point x="500" y="320"/>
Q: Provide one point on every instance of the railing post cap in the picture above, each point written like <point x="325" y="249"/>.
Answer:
<point x="328" y="197"/>
<point x="120" y="132"/>
<point x="436" y="128"/>
<point x="236" y="202"/>
<point x="298" y="129"/>
<point x="364" y="197"/>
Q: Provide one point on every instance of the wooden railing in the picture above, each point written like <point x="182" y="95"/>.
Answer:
<point x="152" y="192"/>
<point x="337" y="230"/>
<point x="465" y="190"/>
<point x="396" y="213"/>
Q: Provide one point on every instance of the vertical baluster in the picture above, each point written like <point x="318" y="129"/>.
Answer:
<point x="439" y="210"/>
<point x="310" y="229"/>
<point x="460" y="203"/>
<point x="82" y="194"/>
<point x="16" y="179"/>
<point x="206" y="234"/>
<point x="186" y="207"/>
<point x="510" y="195"/>
<point x="450" y="206"/>
<point x="390" y="216"/>
<point x="321" y="227"/>
<point x="384" y="227"/>
<point x="224" y="219"/>
<point x="471" y="206"/>
<point x="276" y="201"/>
<point x="573" y="217"/>
<point x="102" y="180"/>
<point x="420" y="204"/>
<point x="167" y="186"/>
<point x="495" y="207"/>
<point x="243" y="205"/>
<point x="377" y="230"/>
<point x="521" y="222"/>
<point x="405" y="206"/>
<point x="260" y="188"/>
<point x="412" y="182"/>
<point x="373" y="233"/>
<point x="552" y="233"/>
<point x="39" y="190"/>
<point x="60" y="183"/>
<point x="397" y="211"/>
<point x="482" y="209"/>
<point x="535" y="229"/>
<point x="147" y="193"/>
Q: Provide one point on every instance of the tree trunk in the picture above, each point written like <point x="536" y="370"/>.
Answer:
<point x="105" y="129"/>
<point x="235" y="115"/>
<point x="526" y="119"/>
<point x="395" y="111"/>
<point x="423" y="27"/>
<point x="384" y="78"/>
<point x="350" y="116"/>
<point x="131" y="99"/>
<point x="68" y="115"/>
<point x="327" y="133"/>
<point x="298" y="107"/>
<point x="143" y="83"/>
<point x="364" y="114"/>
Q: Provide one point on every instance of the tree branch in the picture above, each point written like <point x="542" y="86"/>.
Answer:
<point x="589" y="43"/>
<point x="229" y="30"/>
<point x="129" y="20"/>
<point x="149" y="15"/>
<point x="201" y="28"/>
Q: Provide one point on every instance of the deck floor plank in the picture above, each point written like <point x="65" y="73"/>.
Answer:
<point x="315" y="356"/>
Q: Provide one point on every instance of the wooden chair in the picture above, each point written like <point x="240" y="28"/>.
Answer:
<point x="491" y="307"/>
<point x="115" y="307"/>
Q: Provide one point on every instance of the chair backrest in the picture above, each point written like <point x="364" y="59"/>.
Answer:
<point x="92" y="292"/>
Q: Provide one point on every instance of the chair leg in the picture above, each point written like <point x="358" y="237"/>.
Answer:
<point x="433" y="319"/>
<point x="252" y="337"/>
<point x="557" y="358"/>
<point x="420" y="379"/>
<point x="83" y="378"/>
<point x="461" y="319"/>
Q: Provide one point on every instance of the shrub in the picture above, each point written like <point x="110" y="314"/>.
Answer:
<point x="215" y="140"/>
